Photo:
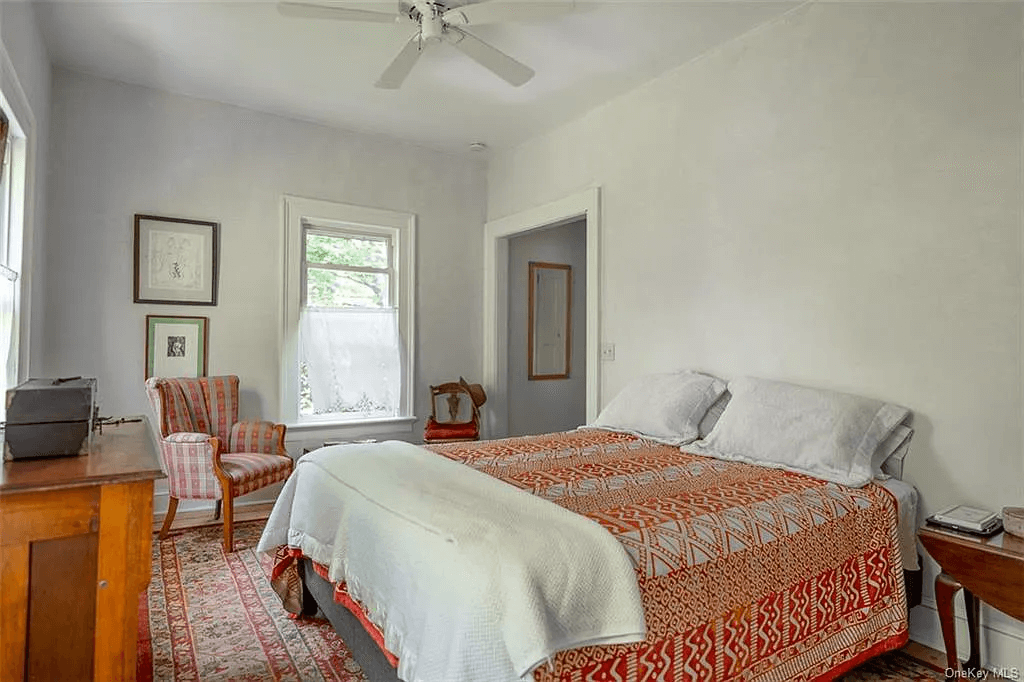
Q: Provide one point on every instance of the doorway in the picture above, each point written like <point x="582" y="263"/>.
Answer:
<point x="541" y="402"/>
<point x="583" y="208"/>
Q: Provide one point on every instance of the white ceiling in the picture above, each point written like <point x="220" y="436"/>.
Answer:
<point x="246" y="53"/>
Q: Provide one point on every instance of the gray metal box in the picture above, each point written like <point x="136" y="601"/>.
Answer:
<point x="49" y="418"/>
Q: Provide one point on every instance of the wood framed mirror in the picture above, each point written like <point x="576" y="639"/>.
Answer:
<point x="550" y="314"/>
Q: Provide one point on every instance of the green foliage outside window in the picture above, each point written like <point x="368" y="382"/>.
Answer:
<point x="332" y="288"/>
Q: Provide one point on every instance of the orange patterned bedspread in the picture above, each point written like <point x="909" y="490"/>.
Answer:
<point x="746" y="572"/>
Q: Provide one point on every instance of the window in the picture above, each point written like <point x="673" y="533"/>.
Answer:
<point x="348" y="314"/>
<point x="350" y="353"/>
<point x="12" y="183"/>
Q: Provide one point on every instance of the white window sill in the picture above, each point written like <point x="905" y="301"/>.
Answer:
<point x="308" y="430"/>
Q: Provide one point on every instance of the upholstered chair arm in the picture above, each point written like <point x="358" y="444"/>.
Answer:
<point x="258" y="436"/>
<point x="192" y="462"/>
<point x="188" y="437"/>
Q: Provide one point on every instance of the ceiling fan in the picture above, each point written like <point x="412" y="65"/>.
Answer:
<point x="440" y="20"/>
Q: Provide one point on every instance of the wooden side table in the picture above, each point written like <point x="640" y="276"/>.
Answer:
<point x="989" y="570"/>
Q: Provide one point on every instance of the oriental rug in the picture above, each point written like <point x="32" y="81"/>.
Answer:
<point x="209" y="616"/>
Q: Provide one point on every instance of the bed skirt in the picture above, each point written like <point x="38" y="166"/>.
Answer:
<point x="318" y="592"/>
<point x="318" y="595"/>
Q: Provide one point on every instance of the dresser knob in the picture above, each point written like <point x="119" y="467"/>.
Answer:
<point x="103" y="584"/>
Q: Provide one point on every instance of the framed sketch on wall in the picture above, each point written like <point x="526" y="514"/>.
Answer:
<point x="175" y="261"/>
<point x="176" y="346"/>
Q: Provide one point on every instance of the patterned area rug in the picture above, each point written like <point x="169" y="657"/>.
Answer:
<point x="211" y="617"/>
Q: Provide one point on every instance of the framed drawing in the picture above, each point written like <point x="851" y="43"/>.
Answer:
<point x="176" y="346"/>
<point x="175" y="261"/>
<point x="549" y="330"/>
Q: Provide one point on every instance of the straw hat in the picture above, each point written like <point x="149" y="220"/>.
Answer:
<point x="475" y="390"/>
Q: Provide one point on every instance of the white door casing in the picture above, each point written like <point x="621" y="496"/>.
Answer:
<point x="585" y="204"/>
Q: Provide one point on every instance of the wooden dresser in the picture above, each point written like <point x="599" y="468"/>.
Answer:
<point x="75" y="553"/>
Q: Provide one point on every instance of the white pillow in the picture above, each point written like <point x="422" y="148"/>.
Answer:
<point x="664" y="407"/>
<point x="714" y="413"/>
<point x="828" y="435"/>
<point x="888" y="459"/>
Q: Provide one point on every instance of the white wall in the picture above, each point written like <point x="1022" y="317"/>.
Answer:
<point x="833" y="200"/>
<point x="546" y="406"/>
<point x="20" y="37"/>
<point x="120" y="149"/>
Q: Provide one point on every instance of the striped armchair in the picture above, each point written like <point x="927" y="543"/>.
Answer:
<point x="207" y="453"/>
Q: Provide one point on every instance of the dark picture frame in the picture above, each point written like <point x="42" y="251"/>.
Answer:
<point x="177" y="346"/>
<point x="176" y="260"/>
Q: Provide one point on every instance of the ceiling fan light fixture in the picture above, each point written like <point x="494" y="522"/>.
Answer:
<point x="432" y="29"/>
<point x="437" y="23"/>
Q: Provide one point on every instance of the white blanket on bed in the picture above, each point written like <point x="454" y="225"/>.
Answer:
<point x="469" y="578"/>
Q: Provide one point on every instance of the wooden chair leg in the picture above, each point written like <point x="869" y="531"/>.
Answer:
<point x="216" y="510"/>
<point x="229" y="518"/>
<point x="172" y="507"/>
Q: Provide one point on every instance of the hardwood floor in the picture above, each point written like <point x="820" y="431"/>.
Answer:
<point x="195" y="519"/>
<point x="926" y="655"/>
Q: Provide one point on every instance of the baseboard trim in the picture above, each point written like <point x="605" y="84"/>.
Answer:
<point x="1002" y="642"/>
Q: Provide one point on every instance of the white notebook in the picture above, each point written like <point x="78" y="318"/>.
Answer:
<point x="967" y="518"/>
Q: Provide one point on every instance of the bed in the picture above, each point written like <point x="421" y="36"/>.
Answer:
<point x="744" y="571"/>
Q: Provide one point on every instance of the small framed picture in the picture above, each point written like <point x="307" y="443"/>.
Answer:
<point x="175" y="261"/>
<point x="176" y="346"/>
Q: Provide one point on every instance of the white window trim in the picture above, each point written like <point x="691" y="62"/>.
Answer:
<point x="23" y="156"/>
<point x="401" y="227"/>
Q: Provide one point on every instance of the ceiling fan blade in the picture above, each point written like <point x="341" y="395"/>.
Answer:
<point x="496" y="11"/>
<point x="397" y="70"/>
<point x="490" y="58"/>
<point x="337" y="12"/>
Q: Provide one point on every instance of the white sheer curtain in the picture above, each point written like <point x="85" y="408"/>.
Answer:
<point x="353" y="360"/>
